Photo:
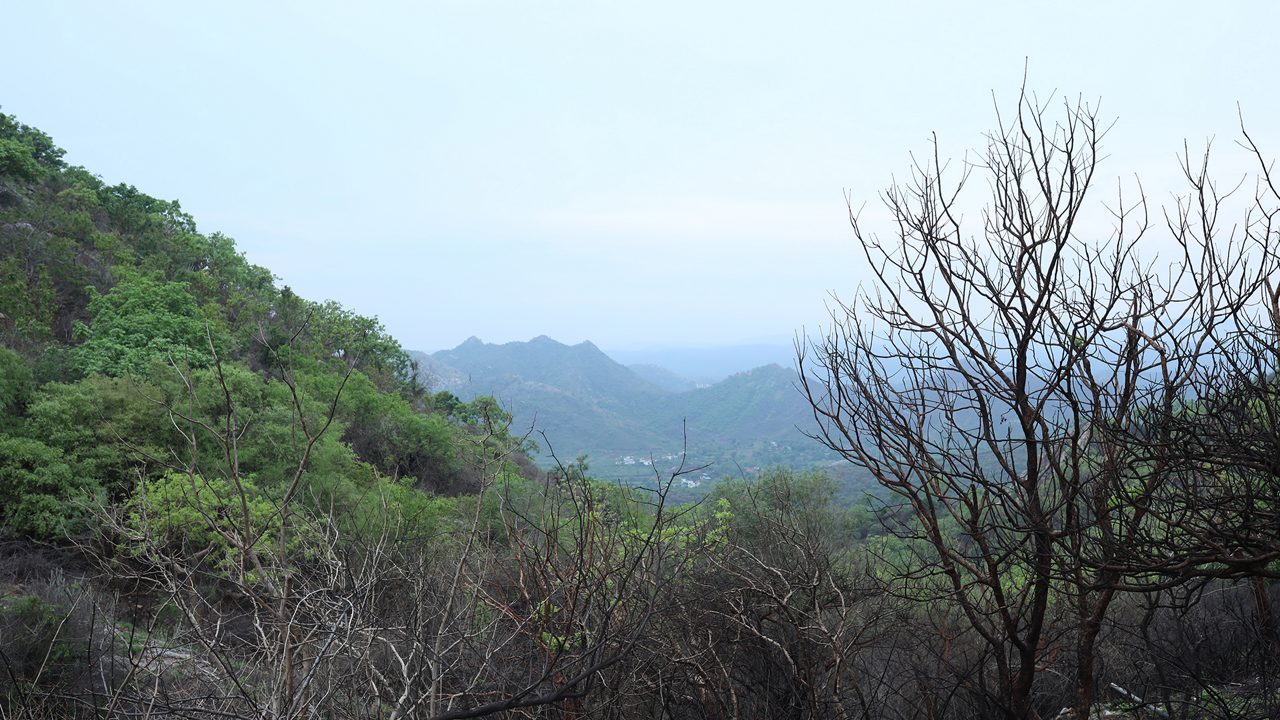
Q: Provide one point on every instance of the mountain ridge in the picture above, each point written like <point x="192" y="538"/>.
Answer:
<point x="583" y="401"/>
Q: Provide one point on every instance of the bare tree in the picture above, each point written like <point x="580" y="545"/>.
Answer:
<point x="548" y="605"/>
<point x="1220" y="443"/>
<point x="997" y="379"/>
<point x="784" y="609"/>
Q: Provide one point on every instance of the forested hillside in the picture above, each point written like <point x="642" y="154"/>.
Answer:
<point x="221" y="500"/>
<point x="124" y="328"/>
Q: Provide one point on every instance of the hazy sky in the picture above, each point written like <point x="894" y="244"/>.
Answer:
<point x="636" y="174"/>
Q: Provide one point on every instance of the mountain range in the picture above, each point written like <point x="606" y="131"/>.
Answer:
<point x="706" y="365"/>
<point x="630" y="420"/>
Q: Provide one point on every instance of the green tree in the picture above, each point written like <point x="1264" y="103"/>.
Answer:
<point x="27" y="296"/>
<point x="16" y="161"/>
<point x="25" y="151"/>
<point x="40" y="494"/>
<point x="38" y="144"/>
<point x="386" y="431"/>
<point x="15" y="385"/>
<point x="142" y="320"/>
<point x="108" y="429"/>
<point x="194" y="516"/>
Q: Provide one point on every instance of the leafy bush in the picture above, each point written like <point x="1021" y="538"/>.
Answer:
<point x="40" y="495"/>
<point x="104" y="427"/>
<point x="191" y="515"/>
<point x="16" y="161"/>
<point x="139" y="321"/>
<point x="15" y="384"/>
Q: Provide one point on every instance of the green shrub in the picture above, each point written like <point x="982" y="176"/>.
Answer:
<point x="40" y="495"/>
<point x="139" y="321"/>
<point x="15" y="384"/>
<point x="189" y="514"/>
<point x="17" y="161"/>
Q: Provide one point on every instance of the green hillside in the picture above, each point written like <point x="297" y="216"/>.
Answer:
<point x="136" y="349"/>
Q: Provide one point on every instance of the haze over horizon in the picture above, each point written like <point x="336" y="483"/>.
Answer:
<point x="665" y="175"/>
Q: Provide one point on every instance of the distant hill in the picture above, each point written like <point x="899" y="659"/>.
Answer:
<point x="763" y="402"/>
<point x="581" y="370"/>
<point x="576" y="395"/>
<point x="623" y="417"/>
<point x="663" y="378"/>
<point x="708" y="365"/>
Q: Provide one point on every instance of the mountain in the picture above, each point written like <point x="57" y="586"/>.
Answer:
<point x="576" y="395"/>
<point x="710" y="364"/>
<point x="763" y="402"/>
<point x="581" y="370"/>
<point x="580" y="400"/>
<point x="662" y="377"/>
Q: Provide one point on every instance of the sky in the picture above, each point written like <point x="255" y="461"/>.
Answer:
<point x="635" y="174"/>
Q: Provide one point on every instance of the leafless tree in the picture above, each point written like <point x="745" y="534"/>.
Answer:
<point x="774" y="615"/>
<point x="1013" y="385"/>
<point x="1220" y="444"/>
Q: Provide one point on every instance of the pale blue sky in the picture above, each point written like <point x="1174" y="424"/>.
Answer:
<point x="635" y="174"/>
